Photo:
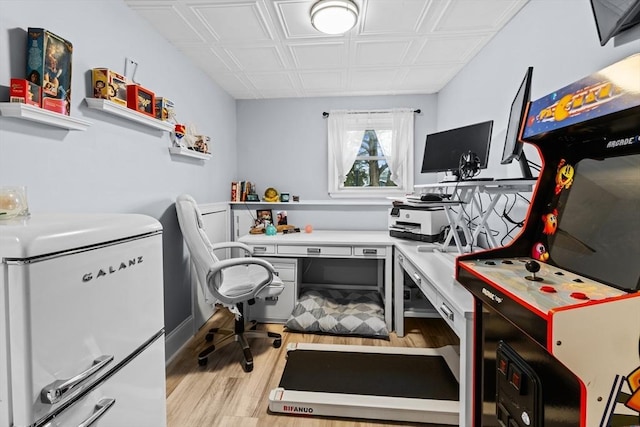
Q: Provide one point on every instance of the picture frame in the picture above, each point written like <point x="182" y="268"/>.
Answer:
<point x="281" y="218"/>
<point x="264" y="217"/>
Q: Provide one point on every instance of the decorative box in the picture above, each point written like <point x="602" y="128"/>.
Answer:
<point x="164" y="109"/>
<point x="49" y="64"/>
<point x="24" y="91"/>
<point x="141" y="99"/>
<point x="57" y="105"/>
<point x="108" y="84"/>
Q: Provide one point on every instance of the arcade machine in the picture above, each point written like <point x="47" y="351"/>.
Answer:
<point x="557" y="311"/>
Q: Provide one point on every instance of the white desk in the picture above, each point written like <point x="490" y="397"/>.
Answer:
<point x="433" y="273"/>
<point x="468" y="194"/>
<point x="334" y="244"/>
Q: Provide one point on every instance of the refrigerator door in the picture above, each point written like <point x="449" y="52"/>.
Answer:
<point x="74" y="316"/>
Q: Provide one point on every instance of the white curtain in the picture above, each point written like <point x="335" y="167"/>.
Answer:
<point x="343" y="144"/>
<point x="401" y="141"/>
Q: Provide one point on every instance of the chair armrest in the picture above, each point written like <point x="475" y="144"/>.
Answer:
<point x="215" y="272"/>
<point x="229" y="245"/>
<point x="226" y="263"/>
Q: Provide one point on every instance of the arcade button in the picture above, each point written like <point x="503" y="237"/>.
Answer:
<point x="503" y="365"/>
<point x="578" y="280"/>
<point x="507" y="261"/>
<point x="547" y="288"/>
<point x="490" y="263"/>
<point x="579" y="295"/>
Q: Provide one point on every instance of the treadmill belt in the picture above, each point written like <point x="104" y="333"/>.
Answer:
<point x="376" y="374"/>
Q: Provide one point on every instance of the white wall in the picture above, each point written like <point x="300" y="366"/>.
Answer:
<point x="558" y="38"/>
<point x="116" y="165"/>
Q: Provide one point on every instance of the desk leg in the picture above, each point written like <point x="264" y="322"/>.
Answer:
<point x="388" y="287"/>
<point x="398" y="294"/>
<point x="466" y="372"/>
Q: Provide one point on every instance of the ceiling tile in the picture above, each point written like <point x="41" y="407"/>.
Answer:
<point x="438" y="50"/>
<point x="253" y="58"/>
<point x="393" y="16"/>
<point x="377" y="53"/>
<point x="319" y="55"/>
<point x="322" y="80"/>
<point x="234" y="21"/>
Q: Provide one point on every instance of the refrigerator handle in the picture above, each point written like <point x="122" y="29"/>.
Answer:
<point x="101" y="407"/>
<point x="55" y="392"/>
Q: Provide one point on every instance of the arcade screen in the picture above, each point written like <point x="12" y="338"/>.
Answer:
<point x="598" y="233"/>
<point x="442" y="150"/>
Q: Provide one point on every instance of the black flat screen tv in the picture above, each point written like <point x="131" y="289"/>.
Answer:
<point x="614" y="16"/>
<point x="513" y="145"/>
<point x="442" y="150"/>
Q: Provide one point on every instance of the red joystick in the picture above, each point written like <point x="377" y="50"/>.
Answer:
<point x="549" y="289"/>
<point x="579" y="295"/>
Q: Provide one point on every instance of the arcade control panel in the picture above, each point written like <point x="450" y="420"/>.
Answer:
<point x="540" y="286"/>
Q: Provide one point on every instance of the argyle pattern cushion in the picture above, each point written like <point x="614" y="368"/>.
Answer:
<point x="339" y="312"/>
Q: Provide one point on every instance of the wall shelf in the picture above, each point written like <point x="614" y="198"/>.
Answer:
<point x="189" y="153"/>
<point x="127" y="113"/>
<point x="19" y="110"/>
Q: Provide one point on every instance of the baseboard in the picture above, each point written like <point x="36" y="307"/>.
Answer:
<point x="177" y="339"/>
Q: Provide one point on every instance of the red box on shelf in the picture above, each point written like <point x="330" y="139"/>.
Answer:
<point x="55" y="105"/>
<point x="142" y="100"/>
<point x="26" y="92"/>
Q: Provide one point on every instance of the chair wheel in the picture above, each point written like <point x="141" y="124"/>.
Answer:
<point x="248" y="367"/>
<point x="209" y="337"/>
<point x="277" y="343"/>
<point x="203" y="361"/>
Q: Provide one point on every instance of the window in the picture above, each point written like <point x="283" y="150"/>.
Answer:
<point x="370" y="153"/>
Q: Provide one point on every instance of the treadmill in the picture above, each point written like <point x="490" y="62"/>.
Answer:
<point x="370" y="382"/>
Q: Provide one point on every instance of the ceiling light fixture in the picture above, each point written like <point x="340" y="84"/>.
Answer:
<point x="334" y="16"/>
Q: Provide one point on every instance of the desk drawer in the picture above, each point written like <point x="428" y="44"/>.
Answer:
<point x="453" y="317"/>
<point x="263" y="249"/>
<point x="370" y="251"/>
<point x="421" y="282"/>
<point x="314" y="250"/>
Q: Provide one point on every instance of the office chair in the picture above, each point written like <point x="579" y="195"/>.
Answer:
<point x="231" y="282"/>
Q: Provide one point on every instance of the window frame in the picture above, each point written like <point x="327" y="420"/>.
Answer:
<point x="371" y="120"/>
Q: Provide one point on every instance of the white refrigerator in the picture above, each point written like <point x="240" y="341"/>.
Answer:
<point x="81" y="321"/>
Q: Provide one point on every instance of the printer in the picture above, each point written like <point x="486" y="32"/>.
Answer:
<point x="421" y="223"/>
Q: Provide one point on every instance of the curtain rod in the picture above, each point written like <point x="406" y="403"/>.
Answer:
<point x="325" y="114"/>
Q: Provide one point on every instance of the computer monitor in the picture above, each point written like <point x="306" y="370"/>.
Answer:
<point x="513" y="146"/>
<point x="442" y="150"/>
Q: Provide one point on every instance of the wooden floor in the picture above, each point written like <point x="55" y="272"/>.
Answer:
<point x="222" y="394"/>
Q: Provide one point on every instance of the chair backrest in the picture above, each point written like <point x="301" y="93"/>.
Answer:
<point x="199" y="245"/>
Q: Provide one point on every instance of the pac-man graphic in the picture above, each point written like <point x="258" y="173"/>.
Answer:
<point x="539" y="252"/>
<point x="550" y="221"/>
<point x="633" y="380"/>
<point x="564" y="176"/>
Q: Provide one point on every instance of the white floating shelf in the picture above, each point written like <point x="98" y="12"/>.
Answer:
<point x="189" y="153"/>
<point x="128" y="113"/>
<point x="36" y="114"/>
